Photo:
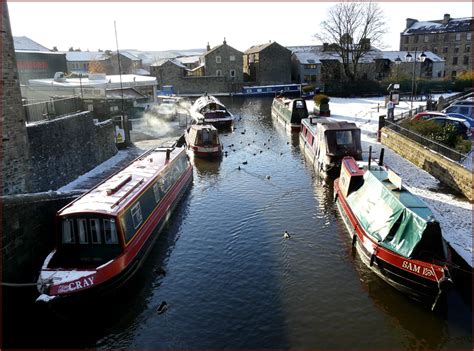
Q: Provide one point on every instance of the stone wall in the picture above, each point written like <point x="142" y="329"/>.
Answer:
<point x="28" y="233"/>
<point x="14" y="144"/>
<point x="274" y="66"/>
<point x="67" y="147"/>
<point x="443" y="169"/>
<point x="219" y="59"/>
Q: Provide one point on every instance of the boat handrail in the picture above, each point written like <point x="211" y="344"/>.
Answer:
<point x="140" y="182"/>
<point x="114" y="189"/>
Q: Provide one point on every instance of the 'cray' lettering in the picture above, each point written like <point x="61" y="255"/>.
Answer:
<point x="78" y="284"/>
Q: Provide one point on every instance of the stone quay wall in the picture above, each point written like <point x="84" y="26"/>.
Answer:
<point x="28" y="233"/>
<point x="67" y="147"/>
<point x="443" y="169"/>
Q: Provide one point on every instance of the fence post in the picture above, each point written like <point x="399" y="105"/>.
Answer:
<point x="381" y="125"/>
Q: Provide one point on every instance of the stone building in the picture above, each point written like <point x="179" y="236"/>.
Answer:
<point x="218" y="70"/>
<point x="267" y="64"/>
<point x="450" y="38"/>
<point x="83" y="62"/>
<point x="35" y="61"/>
<point x="14" y="144"/>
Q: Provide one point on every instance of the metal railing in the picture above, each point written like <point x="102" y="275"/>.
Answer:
<point x="430" y="144"/>
<point x="52" y="108"/>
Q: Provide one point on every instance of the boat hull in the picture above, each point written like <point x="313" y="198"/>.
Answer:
<point x="394" y="269"/>
<point x="120" y="270"/>
<point x="290" y="127"/>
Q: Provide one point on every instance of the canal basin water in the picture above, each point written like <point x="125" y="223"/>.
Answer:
<point x="233" y="281"/>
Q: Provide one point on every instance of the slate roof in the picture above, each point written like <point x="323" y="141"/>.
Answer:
<point x="465" y="24"/>
<point x="26" y="44"/>
<point x="79" y="56"/>
<point x="257" y="48"/>
<point x="173" y="61"/>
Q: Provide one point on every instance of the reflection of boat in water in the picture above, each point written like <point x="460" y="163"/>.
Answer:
<point x="289" y="112"/>
<point x="105" y="235"/>
<point x="209" y="110"/>
<point x="203" y="140"/>
<point x="326" y="142"/>
<point x="394" y="232"/>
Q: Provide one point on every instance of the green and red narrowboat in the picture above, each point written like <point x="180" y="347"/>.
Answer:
<point x="394" y="232"/>
<point x="104" y="235"/>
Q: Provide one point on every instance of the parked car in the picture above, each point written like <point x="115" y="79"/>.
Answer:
<point x="465" y="101"/>
<point x="461" y="126"/>
<point x="463" y="109"/>
<point x="423" y="116"/>
<point x="466" y="118"/>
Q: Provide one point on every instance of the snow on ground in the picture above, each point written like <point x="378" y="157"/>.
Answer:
<point x="453" y="213"/>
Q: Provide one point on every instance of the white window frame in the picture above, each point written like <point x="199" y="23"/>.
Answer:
<point x="232" y="73"/>
<point x="156" y="192"/>
<point x="232" y="58"/>
<point x="218" y="59"/>
<point x="113" y="230"/>
<point x="468" y="36"/>
<point x="68" y="230"/>
<point x="458" y="36"/>
<point x="136" y="212"/>
<point x="82" y="230"/>
<point x="94" y="224"/>
<point x="219" y="73"/>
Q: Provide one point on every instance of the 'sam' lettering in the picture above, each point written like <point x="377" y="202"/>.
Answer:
<point x="411" y="267"/>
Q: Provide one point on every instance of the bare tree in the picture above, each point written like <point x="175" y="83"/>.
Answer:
<point x="351" y="29"/>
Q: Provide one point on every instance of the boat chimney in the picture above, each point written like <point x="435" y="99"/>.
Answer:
<point x="370" y="156"/>
<point x="382" y="151"/>
<point x="168" y="153"/>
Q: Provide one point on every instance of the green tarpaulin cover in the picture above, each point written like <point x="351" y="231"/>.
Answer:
<point x="395" y="218"/>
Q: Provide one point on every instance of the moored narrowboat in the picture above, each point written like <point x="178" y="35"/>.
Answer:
<point x="209" y="110"/>
<point x="326" y="142"/>
<point x="203" y="141"/>
<point x="104" y="235"/>
<point x="394" y="232"/>
<point x="289" y="112"/>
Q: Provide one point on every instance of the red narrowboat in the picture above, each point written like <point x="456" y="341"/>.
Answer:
<point x="394" y="232"/>
<point x="203" y="141"/>
<point x="104" y="235"/>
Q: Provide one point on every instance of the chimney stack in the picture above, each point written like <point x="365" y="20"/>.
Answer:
<point x="410" y="22"/>
<point x="208" y="48"/>
<point x="446" y="18"/>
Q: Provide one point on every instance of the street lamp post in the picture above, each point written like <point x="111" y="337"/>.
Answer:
<point x="409" y="58"/>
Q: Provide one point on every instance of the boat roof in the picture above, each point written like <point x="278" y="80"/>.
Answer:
<point x="396" y="218"/>
<point x="113" y="194"/>
<point x="207" y="100"/>
<point x="203" y="126"/>
<point x="328" y="125"/>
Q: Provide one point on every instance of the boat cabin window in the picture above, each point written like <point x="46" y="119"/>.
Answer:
<point x="137" y="215"/>
<point x="299" y="104"/>
<point x="82" y="226"/>
<point x="110" y="232"/>
<point x="157" y="192"/>
<point x="344" y="137"/>
<point x="68" y="231"/>
<point x="89" y="230"/>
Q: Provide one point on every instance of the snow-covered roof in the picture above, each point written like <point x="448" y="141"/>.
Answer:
<point x="173" y="61"/>
<point x="112" y="81"/>
<point x="257" y="48"/>
<point x="464" y="24"/>
<point x="26" y="44"/>
<point x="307" y="57"/>
<point x="130" y="56"/>
<point x="86" y="56"/>
<point x="141" y="72"/>
<point x="188" y="59"/>
<point x="392" y="55"/>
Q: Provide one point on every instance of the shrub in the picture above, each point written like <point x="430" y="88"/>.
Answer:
<point x="321" y="99"/>
<point x="308" y="88"/>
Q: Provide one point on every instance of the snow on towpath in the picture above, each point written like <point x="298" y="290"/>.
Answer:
<point x="453" y="212"/>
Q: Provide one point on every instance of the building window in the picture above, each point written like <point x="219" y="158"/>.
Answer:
<point x="456" y="49"/>
<point x="453" y="74"/>
<point x="426" y="38"/>
<point x="458" y="36"/>
<point x="415" y="39"/>
<point x="406" y="40"/>
<point x="465" y="60"/>
<point x="218" y="59"/>
<point x="310" y="66"/>
<point x="435" y="38"/>
<point x="468" y="36"/>
<point x="439" y="74"/>
<point x="232" y="72"/>
<point x="467" y="48"/>
<point x="218" y="73"/>
<point x="455" y="60"/>
<point x="445" y="49"/>
<point x="232" y="58"/>
<point x="435" y="49"/>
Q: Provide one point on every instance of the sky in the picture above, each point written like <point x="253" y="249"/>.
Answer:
<point x="157" y="26"/>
